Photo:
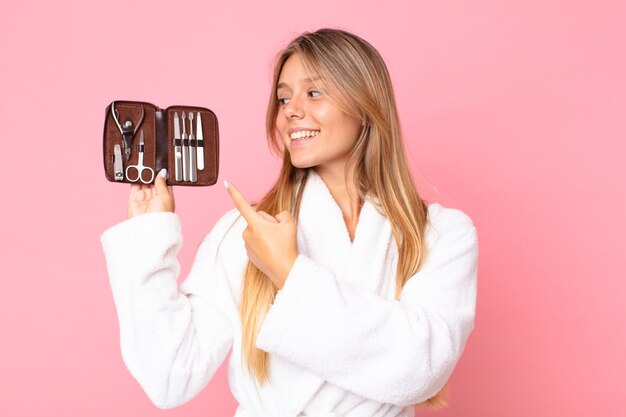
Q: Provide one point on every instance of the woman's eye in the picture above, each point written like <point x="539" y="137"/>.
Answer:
<point x="311" y="93"/>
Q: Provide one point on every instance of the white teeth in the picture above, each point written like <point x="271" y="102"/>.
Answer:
<point x="304" y="133"/>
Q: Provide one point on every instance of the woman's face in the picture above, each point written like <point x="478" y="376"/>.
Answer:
<point x="315" y="131"/>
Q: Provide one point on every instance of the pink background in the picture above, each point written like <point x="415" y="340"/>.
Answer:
<point x="514" y="112"/>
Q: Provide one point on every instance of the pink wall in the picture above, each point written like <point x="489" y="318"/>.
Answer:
<point x="514" y="112"/>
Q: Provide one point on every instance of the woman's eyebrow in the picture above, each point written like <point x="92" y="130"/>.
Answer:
<point x="308" y="79"/>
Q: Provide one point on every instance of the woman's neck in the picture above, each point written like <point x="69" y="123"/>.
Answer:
<point x="344" y="193"/>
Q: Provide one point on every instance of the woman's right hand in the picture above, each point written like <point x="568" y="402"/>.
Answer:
<point x="150" y="198"/>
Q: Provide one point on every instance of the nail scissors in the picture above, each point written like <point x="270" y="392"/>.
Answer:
<point x="128" y="130"/>
<point x="140" y="167"/>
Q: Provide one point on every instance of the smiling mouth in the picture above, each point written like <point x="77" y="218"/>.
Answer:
<point x="304" y="134"/>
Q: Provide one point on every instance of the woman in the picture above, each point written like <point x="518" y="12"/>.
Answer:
<point x="341" y="293"/>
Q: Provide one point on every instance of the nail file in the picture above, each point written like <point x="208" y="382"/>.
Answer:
<point x="200" y="142"/>
<point x="118" y="163"/>
<point x="193" y="176"/>
<point x="178" y="167"/>
<point x="185" y="151"/>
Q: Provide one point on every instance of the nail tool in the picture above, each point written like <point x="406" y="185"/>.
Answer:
<point x="118" y="167"/>
<point x="178" y="163"/>
<point x="200" y="143"/>
<point x="193" y="176"/>
<point x="140" y="168"/>
<point x="128" y="130"/>
<point x="185" y="152"/>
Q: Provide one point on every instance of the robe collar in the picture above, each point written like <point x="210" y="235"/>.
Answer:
<point x="365" y="262"/>
<point x="324" y="236"/>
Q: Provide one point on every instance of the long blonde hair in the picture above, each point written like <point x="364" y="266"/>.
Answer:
<point x="356" y="78"/>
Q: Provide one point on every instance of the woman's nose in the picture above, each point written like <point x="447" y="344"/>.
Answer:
<point x="294" y="108"/>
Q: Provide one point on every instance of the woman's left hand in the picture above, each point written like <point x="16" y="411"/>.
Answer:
<point x="270" y="241"/>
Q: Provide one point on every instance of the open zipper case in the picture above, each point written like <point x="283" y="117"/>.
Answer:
<point x="187" y="146"/>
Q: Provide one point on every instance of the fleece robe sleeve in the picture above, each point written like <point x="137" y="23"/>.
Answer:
<point x="393" y="351"/>
<point x="172" y="339"/>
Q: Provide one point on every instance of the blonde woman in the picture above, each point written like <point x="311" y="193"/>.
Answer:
<point x="341" y="292"/>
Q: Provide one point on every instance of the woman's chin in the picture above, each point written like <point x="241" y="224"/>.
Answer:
<point x="302" y="163"/>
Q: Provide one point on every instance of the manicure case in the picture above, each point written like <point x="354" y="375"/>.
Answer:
<point x="158" y="130"/>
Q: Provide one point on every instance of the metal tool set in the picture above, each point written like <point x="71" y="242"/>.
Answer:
<point x="188" y="150"/>
<point x="173" y="138"/>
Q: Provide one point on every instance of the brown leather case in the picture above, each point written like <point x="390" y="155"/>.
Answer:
<point x="158" y="130"/>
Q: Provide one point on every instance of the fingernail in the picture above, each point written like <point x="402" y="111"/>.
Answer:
<point x="163" y="173"/>
<point x="226" y="184"/>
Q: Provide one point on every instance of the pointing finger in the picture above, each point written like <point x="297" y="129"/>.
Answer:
<point x="240" y="202"/>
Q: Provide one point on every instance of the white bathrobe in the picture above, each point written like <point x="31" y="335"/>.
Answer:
<point x="339" y="342"/>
